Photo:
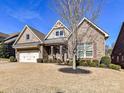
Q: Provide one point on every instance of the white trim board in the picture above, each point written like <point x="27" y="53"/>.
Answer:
<point x="99" y="29"/>
<point x="26" y="26"/>
<point x="54" y="27"/>
<point x="106" y="34"/>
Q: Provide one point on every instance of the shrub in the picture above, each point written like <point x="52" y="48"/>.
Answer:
<point x="70" y="63"/>
<point x="115" y="67"/>
<point x="81" y="62"/>
<point x="50" y="61"/>
<point x="93" y="64"/>
<point x="39" y="60"/>
<point x="58" y="61"/>
<point x="96" y="61"/>
<point x="54" y="60"/>
<point x="12" y="59"/>
<point x="45" y="60"/>
<point x="89" y="62"/>
<point x="84" y="63"/>
<point x="102" y="65"/>
<point x="105" y="60"/>
<point x="67" y="62"/>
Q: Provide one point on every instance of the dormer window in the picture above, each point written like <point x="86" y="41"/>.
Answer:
<point x="27" y="37"/>
<point x="59" y="33"/>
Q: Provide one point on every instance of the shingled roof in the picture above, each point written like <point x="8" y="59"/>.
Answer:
<point x="12" y="35"/>
<point x="55" y="41"/>
<point x="39" y="34"/>
<point x="11" y="38"/>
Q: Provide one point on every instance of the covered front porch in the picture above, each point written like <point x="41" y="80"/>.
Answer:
<point x="56" y="51"/>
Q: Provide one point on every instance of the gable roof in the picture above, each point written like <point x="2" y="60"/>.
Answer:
<point x="11" y="38"/>
<point x="119" y="45"/>
<point x="55" y="41"/>
<point x="8" y="41"/>
<point x="38" y="34"/>
<point x="12" y="35"/>
<point x="54" y="27"/>
<point x="93" y="24"/>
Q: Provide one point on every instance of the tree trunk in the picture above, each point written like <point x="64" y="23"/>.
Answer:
<point x="74" y="62"/>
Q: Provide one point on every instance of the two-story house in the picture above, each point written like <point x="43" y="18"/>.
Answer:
<point x="32" y="44"/>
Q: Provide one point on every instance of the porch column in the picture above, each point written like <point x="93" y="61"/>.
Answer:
<point x="61" y="51"/>
<point x="51" y="56"/>
<point x="16" y="54"/>
<point x="52" y="50"/>
<point x="65" y="57"/>
<point x="41" y="52"/>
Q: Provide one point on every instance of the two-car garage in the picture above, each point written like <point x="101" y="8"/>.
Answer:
<point x="28" y="56"/>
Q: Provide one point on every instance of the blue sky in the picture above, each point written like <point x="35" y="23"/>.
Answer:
<point x="14" y="14"/>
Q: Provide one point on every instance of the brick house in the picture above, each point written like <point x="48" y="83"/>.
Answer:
<point x="32" y="44"/>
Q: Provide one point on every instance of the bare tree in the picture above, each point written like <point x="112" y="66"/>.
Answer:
<point x="72" y="11"/>
<point x="109" y="49"/>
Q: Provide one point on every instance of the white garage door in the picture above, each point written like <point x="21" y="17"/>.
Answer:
<point x="28" y="57"/>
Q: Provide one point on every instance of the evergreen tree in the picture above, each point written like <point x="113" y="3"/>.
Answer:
<point x="2" y="50"/>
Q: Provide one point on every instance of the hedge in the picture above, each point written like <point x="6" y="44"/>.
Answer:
<point x="115" y="67"/>
<point x="13" y="59"/>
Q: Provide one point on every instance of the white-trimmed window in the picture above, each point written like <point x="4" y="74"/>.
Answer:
<point x="59" y="33"/>
<point x="85" y="50"/>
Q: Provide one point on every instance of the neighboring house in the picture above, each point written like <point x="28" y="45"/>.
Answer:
<point x="3" y="36"/>
<point x="8" y="41"/>
<point x="118" y="50"/>
<point x="32" y="44"/>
